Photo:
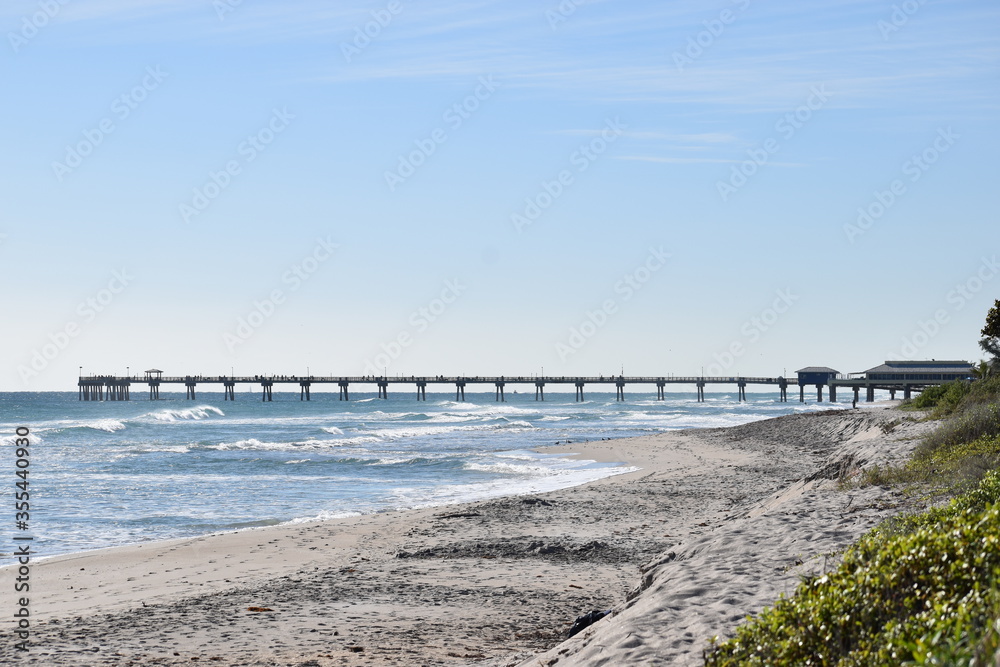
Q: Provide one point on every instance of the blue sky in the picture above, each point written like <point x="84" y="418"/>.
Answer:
<point x="494" y="187"/>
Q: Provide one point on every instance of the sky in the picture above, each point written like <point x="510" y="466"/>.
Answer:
<point x="494" y="188"/>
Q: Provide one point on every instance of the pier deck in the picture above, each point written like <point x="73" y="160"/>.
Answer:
<point x="118" y="388"/>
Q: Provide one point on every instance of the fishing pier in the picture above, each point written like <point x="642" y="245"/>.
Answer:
<point x="893" y="376"/>
<point x="119" y="388"/>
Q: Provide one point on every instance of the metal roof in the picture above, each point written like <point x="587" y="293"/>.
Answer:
<point x="817" y="369"/>
<point x="927" y="366"/>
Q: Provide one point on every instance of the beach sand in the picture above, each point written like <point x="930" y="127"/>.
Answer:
<point x="715" y="525"/>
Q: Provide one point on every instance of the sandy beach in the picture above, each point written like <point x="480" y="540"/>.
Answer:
<point x="714" y="526"/>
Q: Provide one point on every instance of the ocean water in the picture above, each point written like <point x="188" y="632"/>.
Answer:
<point x="111" y="473"/>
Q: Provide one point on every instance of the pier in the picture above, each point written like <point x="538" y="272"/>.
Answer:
<point x="905" y="376"/>
<point x="118" y="388"/>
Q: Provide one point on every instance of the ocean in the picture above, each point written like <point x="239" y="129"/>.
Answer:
<point x="111" y="473"/>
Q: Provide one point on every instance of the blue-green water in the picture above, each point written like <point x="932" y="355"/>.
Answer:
<point x="110" y="473"/>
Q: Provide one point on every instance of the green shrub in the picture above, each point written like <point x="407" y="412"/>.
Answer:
<point x="943" y="399"/>
<point x="923" y="595"/>
<point x="971" y="423"/>
<point x="986" y="390"/>
<point x="929" y="397"/>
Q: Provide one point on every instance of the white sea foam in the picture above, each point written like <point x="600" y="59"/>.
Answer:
<point x="356" y="440"/>
<point x="152" y="447"/>
<point x="391" y="461"/>
<point x="510" y="468"/>
<point x="106" y="425"/>
<point x="253" y="444"/>
<point x="418" y="431"/>
<point x="323" y="516"/>
<point x="448" y="417"/>
<point x="200" y="412"/>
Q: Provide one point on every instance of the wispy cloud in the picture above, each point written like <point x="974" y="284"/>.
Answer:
<point x="696" y="160"/>
<point x="604" y="53"/>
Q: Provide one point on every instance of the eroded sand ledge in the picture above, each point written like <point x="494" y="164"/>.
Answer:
<point x="716" y="524"/>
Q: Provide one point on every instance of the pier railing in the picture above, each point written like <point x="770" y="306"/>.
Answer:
<point x="96" y="387"/>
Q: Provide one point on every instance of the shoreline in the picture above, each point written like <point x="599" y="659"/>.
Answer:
<point x="493" y="582"/>
<point x="351" y="515"/>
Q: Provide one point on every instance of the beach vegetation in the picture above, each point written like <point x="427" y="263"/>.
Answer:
<point x="941" y="399"/>
<point x="920" y="590"/>
<point x="958" y="452"/>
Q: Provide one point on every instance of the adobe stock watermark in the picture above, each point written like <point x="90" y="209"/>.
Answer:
<point x="87" y="311"/>
<point x="293" y="278"/>
<point x="626" y="288"/>
<point x="787" y="126"/>
<point x="751" y="332"/>
<point x="454" y="116"/>
<point x="581" y="159"/>
<point x="698" y="44"/>
<point x="121" y="108"/>
<point x="246" y="152"/>
<point x="958" y="297"/>
<point x="363" y="35"/>
<point x="32" y="24"/>
<point x="914" y="168"/>
<point x="562" y="12"/>
<point x="419" y="321"/>
<point x="225" y="7"/>
<point x="899" y="17"/>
